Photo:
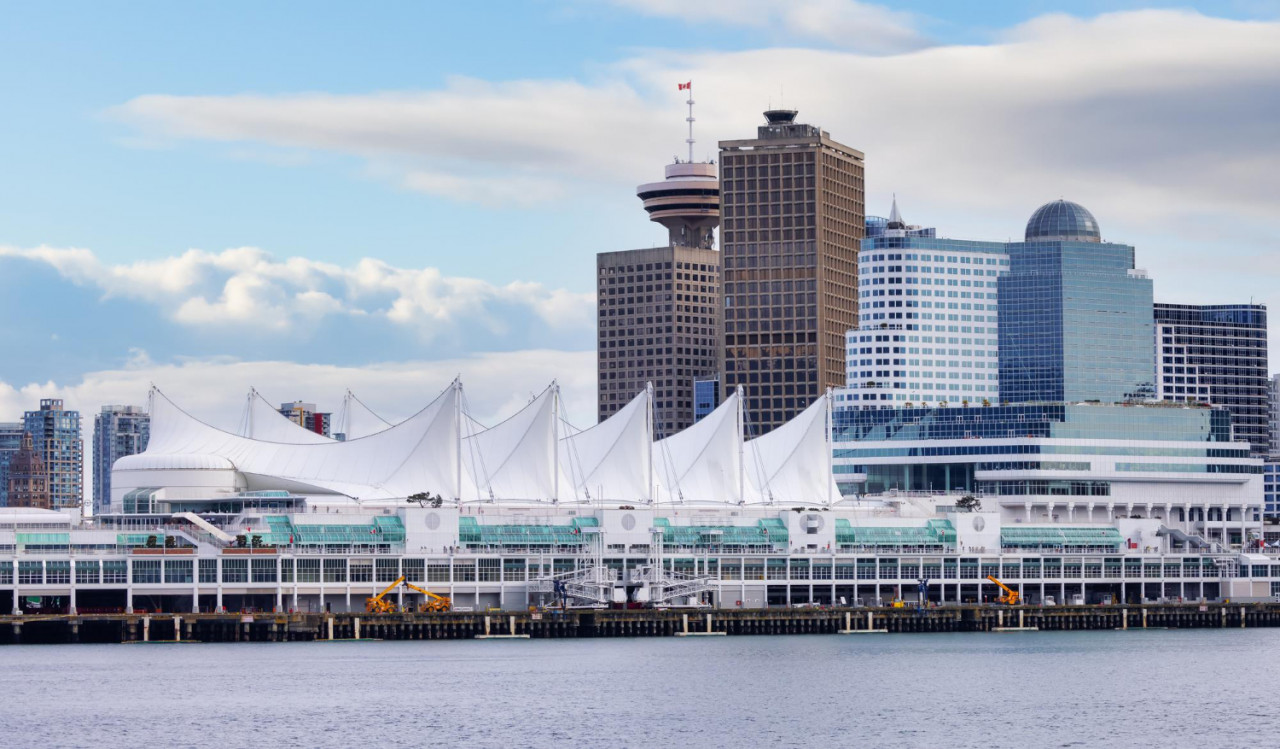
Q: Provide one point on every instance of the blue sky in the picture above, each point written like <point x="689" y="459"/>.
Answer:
<point x="442" y="174"/>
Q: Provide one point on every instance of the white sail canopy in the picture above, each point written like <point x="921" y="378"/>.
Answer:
<point x="266" y="423"/>
<point x="516" y="459"/>
<point x="703" y="463"/>
<point x="358" y="420"/>
<point x="792" y="464"/>
<point x="420" y="454"/>
<point x="611" y="460"/>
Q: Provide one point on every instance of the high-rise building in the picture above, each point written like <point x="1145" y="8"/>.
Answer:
<point x="28" y="479"/>
<point x="307" y="416"/>
<point x="927" y="320"/>
<point x="10" y="441"/>
<point x="658" y="309"/>
<point x="659" y="322"/>
<point x="1217" y="354"/>
<point x="117" y="431"/>
<point x="1075" y="314"/>
<point x="56" y="435"/>
<point x="792" y="202"/>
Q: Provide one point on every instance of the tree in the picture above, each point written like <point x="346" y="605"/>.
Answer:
<point x="151" y="542"/>
<point x="969" y="503"/>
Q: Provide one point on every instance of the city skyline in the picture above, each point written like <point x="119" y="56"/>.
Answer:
<point x="195" y="231"/>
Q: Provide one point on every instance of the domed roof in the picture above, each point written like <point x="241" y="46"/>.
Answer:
<point x="1064" y="220"/>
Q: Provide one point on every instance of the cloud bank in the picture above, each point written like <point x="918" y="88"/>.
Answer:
<point x="248" y="289"/>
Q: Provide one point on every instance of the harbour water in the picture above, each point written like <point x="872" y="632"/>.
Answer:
<point x="1041" y="689"/>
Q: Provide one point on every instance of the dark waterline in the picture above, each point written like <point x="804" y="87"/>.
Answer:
<point x="1206" y="688"/>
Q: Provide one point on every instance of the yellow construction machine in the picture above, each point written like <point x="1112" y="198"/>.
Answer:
<point x="433" y="602"/>
<point x="1010" y="595"/>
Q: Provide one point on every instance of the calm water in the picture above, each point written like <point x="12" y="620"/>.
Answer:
<point x="1170" y="689"/>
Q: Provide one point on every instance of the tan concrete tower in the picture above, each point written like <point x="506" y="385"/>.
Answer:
<point x="658" y="309"/>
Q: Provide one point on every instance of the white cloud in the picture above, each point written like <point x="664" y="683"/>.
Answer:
<point x="248" y="288"/>
<point x="843" y="23"/>
<point x="1162" y="113"/>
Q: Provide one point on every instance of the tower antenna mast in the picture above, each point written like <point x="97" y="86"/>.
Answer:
<point x="689" y="119"/>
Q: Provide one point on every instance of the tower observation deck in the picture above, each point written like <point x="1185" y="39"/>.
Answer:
<point x="687" y="202"/>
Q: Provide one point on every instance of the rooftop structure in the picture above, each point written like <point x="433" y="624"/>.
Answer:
<point x="529" y="458"/>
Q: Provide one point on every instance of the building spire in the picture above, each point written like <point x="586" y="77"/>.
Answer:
<point x="895" y="218"/>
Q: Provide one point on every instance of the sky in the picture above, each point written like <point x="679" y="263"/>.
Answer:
<point x="309" y="197"/>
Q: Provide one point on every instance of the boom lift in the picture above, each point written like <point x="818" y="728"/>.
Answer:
<point x="380" y="605"/>
<point x="1010" y="595"/>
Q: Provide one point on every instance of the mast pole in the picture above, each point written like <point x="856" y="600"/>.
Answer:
<point x="457" y="413"/>
<point x="831" y="445"/>
<point x="648" y="416"/>
<point x="742" y="469"/>
<point x="689" y="119"/>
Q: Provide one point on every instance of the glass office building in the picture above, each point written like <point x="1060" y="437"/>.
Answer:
<point x="1075" y="315"/>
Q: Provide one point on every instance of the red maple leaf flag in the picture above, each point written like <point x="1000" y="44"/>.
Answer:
<point x="683" y="86"/>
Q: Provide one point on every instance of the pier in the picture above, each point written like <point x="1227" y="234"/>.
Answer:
<point x="142" y="628"/>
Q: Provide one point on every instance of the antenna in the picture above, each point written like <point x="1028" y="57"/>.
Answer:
<point x="689" y="119"/>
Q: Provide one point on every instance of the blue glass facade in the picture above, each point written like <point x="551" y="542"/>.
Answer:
<point x="706" y="396"/>
<point x="1075" y="324"/>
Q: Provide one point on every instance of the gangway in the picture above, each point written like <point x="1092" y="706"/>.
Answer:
<point x="206" y="526"/>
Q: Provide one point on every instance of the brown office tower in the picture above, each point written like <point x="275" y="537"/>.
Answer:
<point x="792" y="201"/>
<point x="658" y="309"/>
<point x="28" y="479"/>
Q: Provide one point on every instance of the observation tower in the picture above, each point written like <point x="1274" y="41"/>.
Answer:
<point x="687" y="202"/>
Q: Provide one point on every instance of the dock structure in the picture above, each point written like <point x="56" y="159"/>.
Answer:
<point x="331" y="627"/>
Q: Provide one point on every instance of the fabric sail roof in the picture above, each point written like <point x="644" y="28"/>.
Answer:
<point x="417" y="455"/>
<point x="358" y="420"/>
<point x="516" y="459"/>
<point x="791" y="464"/>
<point x="610" y="461"/>
<point x="703" y="463"/>
<point x="267" y="424"/>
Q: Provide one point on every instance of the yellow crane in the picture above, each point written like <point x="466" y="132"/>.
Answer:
<point x="433" y="601"/>
<point x="1010" y="596"/>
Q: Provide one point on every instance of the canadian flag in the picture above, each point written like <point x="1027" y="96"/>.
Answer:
<point x="683" y="86"/>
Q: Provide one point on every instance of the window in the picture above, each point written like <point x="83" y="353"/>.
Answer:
<point x="177" y="570"/>
<point x="335" y="570"/>
<point x="235" y="570"/>
<point x="308" y="570"/>
<point x="264" y="570"/>
<point x="208" y="570"/>
<point x="146" y="571"/>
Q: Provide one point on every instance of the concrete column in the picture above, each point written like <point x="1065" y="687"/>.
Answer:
<point x="146" y="629"/>
<point x="177" y="629"/>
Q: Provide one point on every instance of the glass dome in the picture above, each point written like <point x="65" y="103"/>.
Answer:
<point x="1065" y="220"/>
